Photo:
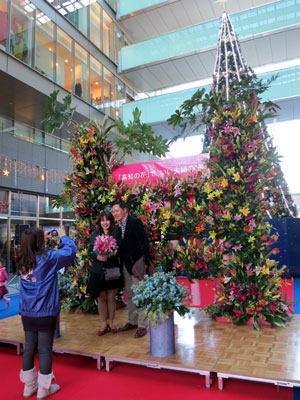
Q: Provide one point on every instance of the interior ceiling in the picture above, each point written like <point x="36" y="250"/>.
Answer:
<point x="179" y="14"/>
<point x="24" y="104"/>
<point x="258" y="51"/>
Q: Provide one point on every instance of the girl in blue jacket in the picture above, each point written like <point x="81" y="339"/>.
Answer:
<point x="39" y="305"/>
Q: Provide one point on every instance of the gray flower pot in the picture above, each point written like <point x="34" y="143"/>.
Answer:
<point x="162" y="338"/>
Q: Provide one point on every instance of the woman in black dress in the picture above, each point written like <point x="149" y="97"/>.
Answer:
<point x="105" y="290"/>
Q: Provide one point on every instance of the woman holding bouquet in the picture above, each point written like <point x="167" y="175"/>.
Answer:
<point x="103" y="251"/>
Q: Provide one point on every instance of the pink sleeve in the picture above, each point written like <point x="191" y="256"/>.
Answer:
<point x="3" y="274"/>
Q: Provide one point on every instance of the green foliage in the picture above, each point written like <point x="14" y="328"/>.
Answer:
<point x="135" y="136"/>
<point x="140" y="137"/>
<point x="56" y="116"/>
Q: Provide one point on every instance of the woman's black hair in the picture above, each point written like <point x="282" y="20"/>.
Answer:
<point x="107" y="215"/>
<point x="32" y="244"/>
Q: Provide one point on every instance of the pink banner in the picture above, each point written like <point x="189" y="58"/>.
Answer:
<point x="152" y="170"/>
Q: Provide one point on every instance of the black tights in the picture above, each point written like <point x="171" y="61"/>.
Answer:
<point x="43" y="340"/>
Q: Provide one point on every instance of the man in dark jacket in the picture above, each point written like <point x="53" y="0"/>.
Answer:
<point x="134" y="251"/>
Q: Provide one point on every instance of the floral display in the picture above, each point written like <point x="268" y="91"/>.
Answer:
<point x="190" y="259"/>
<point x="105" y="245"/>
<point x="240" y="190"/>
<point x="159" y="295"/>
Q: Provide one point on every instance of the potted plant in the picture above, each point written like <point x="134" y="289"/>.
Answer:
<point x="158" y="296"/>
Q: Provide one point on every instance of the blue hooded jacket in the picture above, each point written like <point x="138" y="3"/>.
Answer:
<point x="39" y="293"/>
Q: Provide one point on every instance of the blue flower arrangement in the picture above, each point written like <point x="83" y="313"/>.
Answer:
<point x="159" y="295"/>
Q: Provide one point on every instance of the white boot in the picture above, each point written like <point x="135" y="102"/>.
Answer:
<point x="45" y="387"/>
<point x="29" y="378"/>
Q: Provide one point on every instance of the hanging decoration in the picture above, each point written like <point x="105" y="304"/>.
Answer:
<point x="17" y="167"/>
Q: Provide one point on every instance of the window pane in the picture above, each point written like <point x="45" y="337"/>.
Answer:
<point x="5" y="125"/>
<point x="45" y="45"/>
<point x="21" y="35"/>
<point x="46" y="209"/>
<point x="46" y="225"/>
<point x="81" y="73"/>
<point x="23" y="204"/>
<point x="95" y="24"/>
<point x="109" y="93"/>
<point x="24" y="132"/>
<point x="119" y="42"/>
<point x="108" y="35"/>
<point x="120" y="97"/>
<point x="96" y="83"/>
<point x="3" y="241"/>
<point x="3" y="202"/>
<point x="76" y="12"/>
<point x="112" y="3"/>
<point x="64" y="60"/>
<point x="68" y="213"/>
<point x="3" y="23"/>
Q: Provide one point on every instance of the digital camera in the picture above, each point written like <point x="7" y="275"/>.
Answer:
<point x="54" y="233"/>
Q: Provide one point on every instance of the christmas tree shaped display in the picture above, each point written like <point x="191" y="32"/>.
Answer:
<point x="244" y="169"/>
<point x="244" y="173"/>
<point x="233" y="77"/>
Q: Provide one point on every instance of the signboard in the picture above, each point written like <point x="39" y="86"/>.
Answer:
<point x="150" y="171"/>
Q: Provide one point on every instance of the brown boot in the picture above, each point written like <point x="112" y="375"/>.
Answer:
<point x="45" y="387"/>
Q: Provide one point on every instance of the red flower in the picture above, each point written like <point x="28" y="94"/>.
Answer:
<point x="272" y="307"/>
<point x="250" y="311"/>
<point x="242" y="297"/>
<point x="276" y="251"/>
<point x="233" y="272"/>
<point x="214" y="159"/>
<point x="238" y="312"/>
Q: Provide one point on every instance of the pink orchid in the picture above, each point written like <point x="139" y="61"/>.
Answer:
<point x="235" y="131"/>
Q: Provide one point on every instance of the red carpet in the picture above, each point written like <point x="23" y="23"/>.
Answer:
<point x="80" y="380"/>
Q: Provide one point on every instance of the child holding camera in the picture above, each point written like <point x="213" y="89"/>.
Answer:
<point x="39" y="304"/>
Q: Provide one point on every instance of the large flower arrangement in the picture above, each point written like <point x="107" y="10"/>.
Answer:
<point x="159" y="295"/>
<point x="241" y="165"/>
<point x="237" y="240"/>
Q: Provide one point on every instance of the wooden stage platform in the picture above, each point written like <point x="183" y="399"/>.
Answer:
<point x="203" y="347"/>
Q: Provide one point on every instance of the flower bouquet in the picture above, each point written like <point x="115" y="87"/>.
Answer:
<point x="190" y="259"/>
<point x="105" y="245"/>
<point x="159" y="295"/>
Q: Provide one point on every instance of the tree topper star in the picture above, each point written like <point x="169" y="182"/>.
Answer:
<point x="222" y="2"/>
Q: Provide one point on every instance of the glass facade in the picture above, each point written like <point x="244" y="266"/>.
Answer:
<point x="109" y="93"/>
<point x="21" y="30"/>
<point x="64" y="60"/>
<point x="36" y="40"/>
<point x="18" y="211"/>
<point x="108" y="36"/>
<point x="33" y="135"/>
<point x="81" y="88"/>
<point x="96" y="83"/>
<point x="45" y="45"/>
<point x="3" y="24"/>
<point x="95" y="24"/>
